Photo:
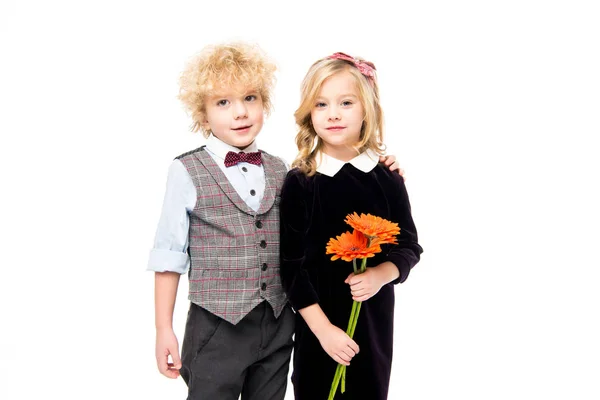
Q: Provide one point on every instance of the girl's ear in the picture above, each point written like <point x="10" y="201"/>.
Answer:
<point x="315" y="143"/>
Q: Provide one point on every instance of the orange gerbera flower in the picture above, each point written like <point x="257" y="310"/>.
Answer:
<point x="349" y="246"/>
<point x="379" y="230"/>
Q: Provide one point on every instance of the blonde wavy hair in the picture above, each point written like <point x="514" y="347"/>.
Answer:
<point x="308" y="142"/>
<point x="224" y="66"/>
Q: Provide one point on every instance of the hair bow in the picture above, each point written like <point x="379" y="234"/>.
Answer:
<point x="365" y="67"/>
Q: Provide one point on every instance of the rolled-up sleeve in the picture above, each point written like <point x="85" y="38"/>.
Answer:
<point x="169" y="252"/>
<point x="294" y="221"/>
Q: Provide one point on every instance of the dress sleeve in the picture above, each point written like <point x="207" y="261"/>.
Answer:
<point x="407" y="253"/>
<point x="295" y="217"/>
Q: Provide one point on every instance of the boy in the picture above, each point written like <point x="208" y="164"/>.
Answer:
<point x="222" y="208"/>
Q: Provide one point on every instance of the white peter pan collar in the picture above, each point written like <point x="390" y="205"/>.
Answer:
<point x="220" y="148"/>
<point x="330" y="166"/>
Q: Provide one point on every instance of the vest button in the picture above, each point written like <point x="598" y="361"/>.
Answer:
<point x="258" y="224"/>
<point x="264" y="266"/>
<point x="253" y="192"/>
<point x="263" y="286"/>
<point x="263" y="244"/>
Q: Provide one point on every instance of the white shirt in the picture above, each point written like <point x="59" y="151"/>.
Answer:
<point x="171" y="241"/>
<point x="330" y="166"/>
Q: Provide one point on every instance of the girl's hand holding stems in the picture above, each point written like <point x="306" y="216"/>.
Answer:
<point x="336" y="343"/>
<point x="366" y="285"/>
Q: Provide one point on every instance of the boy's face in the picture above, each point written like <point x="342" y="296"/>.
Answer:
<point x="338" y="115"/>
<point x="235" y="115"/>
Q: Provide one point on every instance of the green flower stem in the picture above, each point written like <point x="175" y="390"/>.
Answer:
<point x="355" y="306"/>
<point x="336" y="381"/>
<point x="352" y="317"/>
<point x="351" y="334"/>
<point x="340" y="371"/>
<point x="363" y="266"/>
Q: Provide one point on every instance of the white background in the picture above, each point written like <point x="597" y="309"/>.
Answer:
<point x="491" y="109"/>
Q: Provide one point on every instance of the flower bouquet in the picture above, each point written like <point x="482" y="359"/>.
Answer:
<point x="369" y="233"/>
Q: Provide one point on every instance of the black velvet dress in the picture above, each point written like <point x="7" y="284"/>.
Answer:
<point x="313" y="210"/>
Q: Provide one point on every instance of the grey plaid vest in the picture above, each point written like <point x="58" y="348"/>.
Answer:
<point x="234" y="251"/>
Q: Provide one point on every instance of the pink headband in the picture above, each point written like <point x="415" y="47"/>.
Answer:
<point x="365" y="67"/>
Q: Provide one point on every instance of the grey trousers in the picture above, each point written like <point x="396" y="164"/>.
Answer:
<point x="221" y="360"/>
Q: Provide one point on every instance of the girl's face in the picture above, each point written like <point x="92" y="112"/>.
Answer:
<point x="337" y="115"/>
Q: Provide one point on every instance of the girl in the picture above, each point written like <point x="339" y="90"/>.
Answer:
<point x="335" y="174"/>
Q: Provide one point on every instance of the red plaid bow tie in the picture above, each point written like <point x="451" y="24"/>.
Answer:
<point x="232" y="158"/>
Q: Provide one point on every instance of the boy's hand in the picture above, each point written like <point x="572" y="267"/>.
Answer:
<point x="166" y="344"/>
<point x="338" y="344"/>
<point x="390" y="161"/>
<point x="366" y="285"/>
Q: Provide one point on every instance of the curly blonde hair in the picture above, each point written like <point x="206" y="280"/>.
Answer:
<point x="222" y="66"/>
<point x="308" y="142"/>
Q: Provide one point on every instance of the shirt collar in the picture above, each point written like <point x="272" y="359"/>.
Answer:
<point x="330" y="166"/>
<point x="220" y="149"/>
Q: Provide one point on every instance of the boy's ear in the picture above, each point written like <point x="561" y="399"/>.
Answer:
<point x="205" y="125"/>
